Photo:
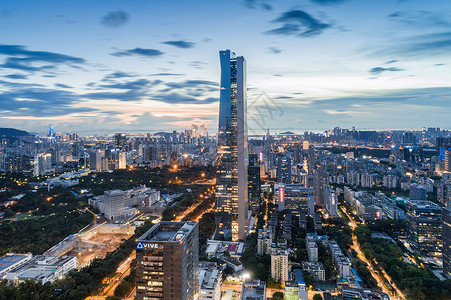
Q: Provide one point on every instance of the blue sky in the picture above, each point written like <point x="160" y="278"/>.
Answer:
<point x="105" y="66"/>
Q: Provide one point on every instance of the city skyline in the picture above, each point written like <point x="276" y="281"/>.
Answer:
<point x="145" y="66"/>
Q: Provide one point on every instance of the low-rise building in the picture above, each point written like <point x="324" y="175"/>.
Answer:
<point x="210" y="278"/>
<point x="253" y="289"/>
<point x="42" y="269"/>
<point x="316" y="269"/>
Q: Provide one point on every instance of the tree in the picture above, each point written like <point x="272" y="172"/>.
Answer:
<point x="277" y="296"/>
<point x="317" y="297"/>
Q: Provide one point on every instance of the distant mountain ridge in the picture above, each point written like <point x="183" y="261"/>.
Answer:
<point x="12" y="132"/>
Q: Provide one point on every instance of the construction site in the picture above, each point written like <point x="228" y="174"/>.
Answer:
<point x="94" y="242"/>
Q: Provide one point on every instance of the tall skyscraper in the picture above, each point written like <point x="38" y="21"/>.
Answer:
<point x="254" y="187"/>
<point x="121" y="141"/>
<point x="446" y="237"/>
<point x="284" y="169"/>
<point x="167" y="259"/>
<point x="232" y="155"/>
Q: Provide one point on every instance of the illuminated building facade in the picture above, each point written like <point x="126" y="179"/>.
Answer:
<point x="167" y="261"/>
<point x="424" y="227"/>
<point x="232" y="154"/>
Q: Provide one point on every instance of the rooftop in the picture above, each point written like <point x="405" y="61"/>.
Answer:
<point x="168" y="232"/>
<point x="10" y="259"/>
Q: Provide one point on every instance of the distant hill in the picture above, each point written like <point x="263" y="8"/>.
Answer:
<point x="287" y="133"/>
<point x="11" y="132"/>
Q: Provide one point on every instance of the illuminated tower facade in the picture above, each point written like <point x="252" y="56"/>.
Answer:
<point x="232" y="157"/>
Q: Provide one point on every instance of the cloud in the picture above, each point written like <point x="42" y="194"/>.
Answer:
<point x="180" y="44"/>
<point x="16" y="76"/>
<point x="132" y="85"/>
<point x="118" y="74"/>
<point x="252" y="4"/>
<point x="115" y="19"/>
<point x="328" y="2"/>
<point x="64" y="86"/>
<point x="419" y="45"/>
<point x="379" y="70"/>
<point x="198" y="64"/>
<point x="390" y="61"/>
<point x="420" y="18"/>
<point x="19" y="58"/>
<point x="298" y="23"/>
<point x="192" y="83"/>
<point x="139" y="51"/>
<point x="25" y="100"/>
<point x="274" y="50"/>
<point x="166" y="74"/>
<point x="130" y="95"/>
<point x="175" y="98"/>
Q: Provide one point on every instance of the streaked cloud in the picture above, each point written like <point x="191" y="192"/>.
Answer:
<point x="298" y="23"/>
<point x="140" y="52"/>
<point x="180" y="44"/>
<point x="379" y="70"/>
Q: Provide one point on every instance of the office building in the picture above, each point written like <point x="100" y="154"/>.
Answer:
<point x="115" y="206"/>
<point x="167" y="260"/>
<point x="295" y="198"/>
<point x="254" y="186"/>
<point x="210" y="278"/>
<point x="121" y="141"/>
<point x="232" y="153"/>
<point x="284" y="169"/>
<point x="424" y="227"/>
<point x="418" y="192"/>
<point x="279" y="265"/>
<point x="95" y="161"/>
<point x="446" y="236"/>
<point x="253" y="289"/>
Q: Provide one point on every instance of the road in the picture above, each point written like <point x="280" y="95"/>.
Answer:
<point x="380" y="279"/>
<point x="122" y="271"/>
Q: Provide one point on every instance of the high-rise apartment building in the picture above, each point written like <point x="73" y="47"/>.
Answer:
<point x="446" y="237"/>
<point x="279" y="265"/>
<point x="232" y="154"/>
<point x="320" y="180"/>
<point x="331" y="201"/>
<point x="424" y="227"/>
<point x="167" y="261"/>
